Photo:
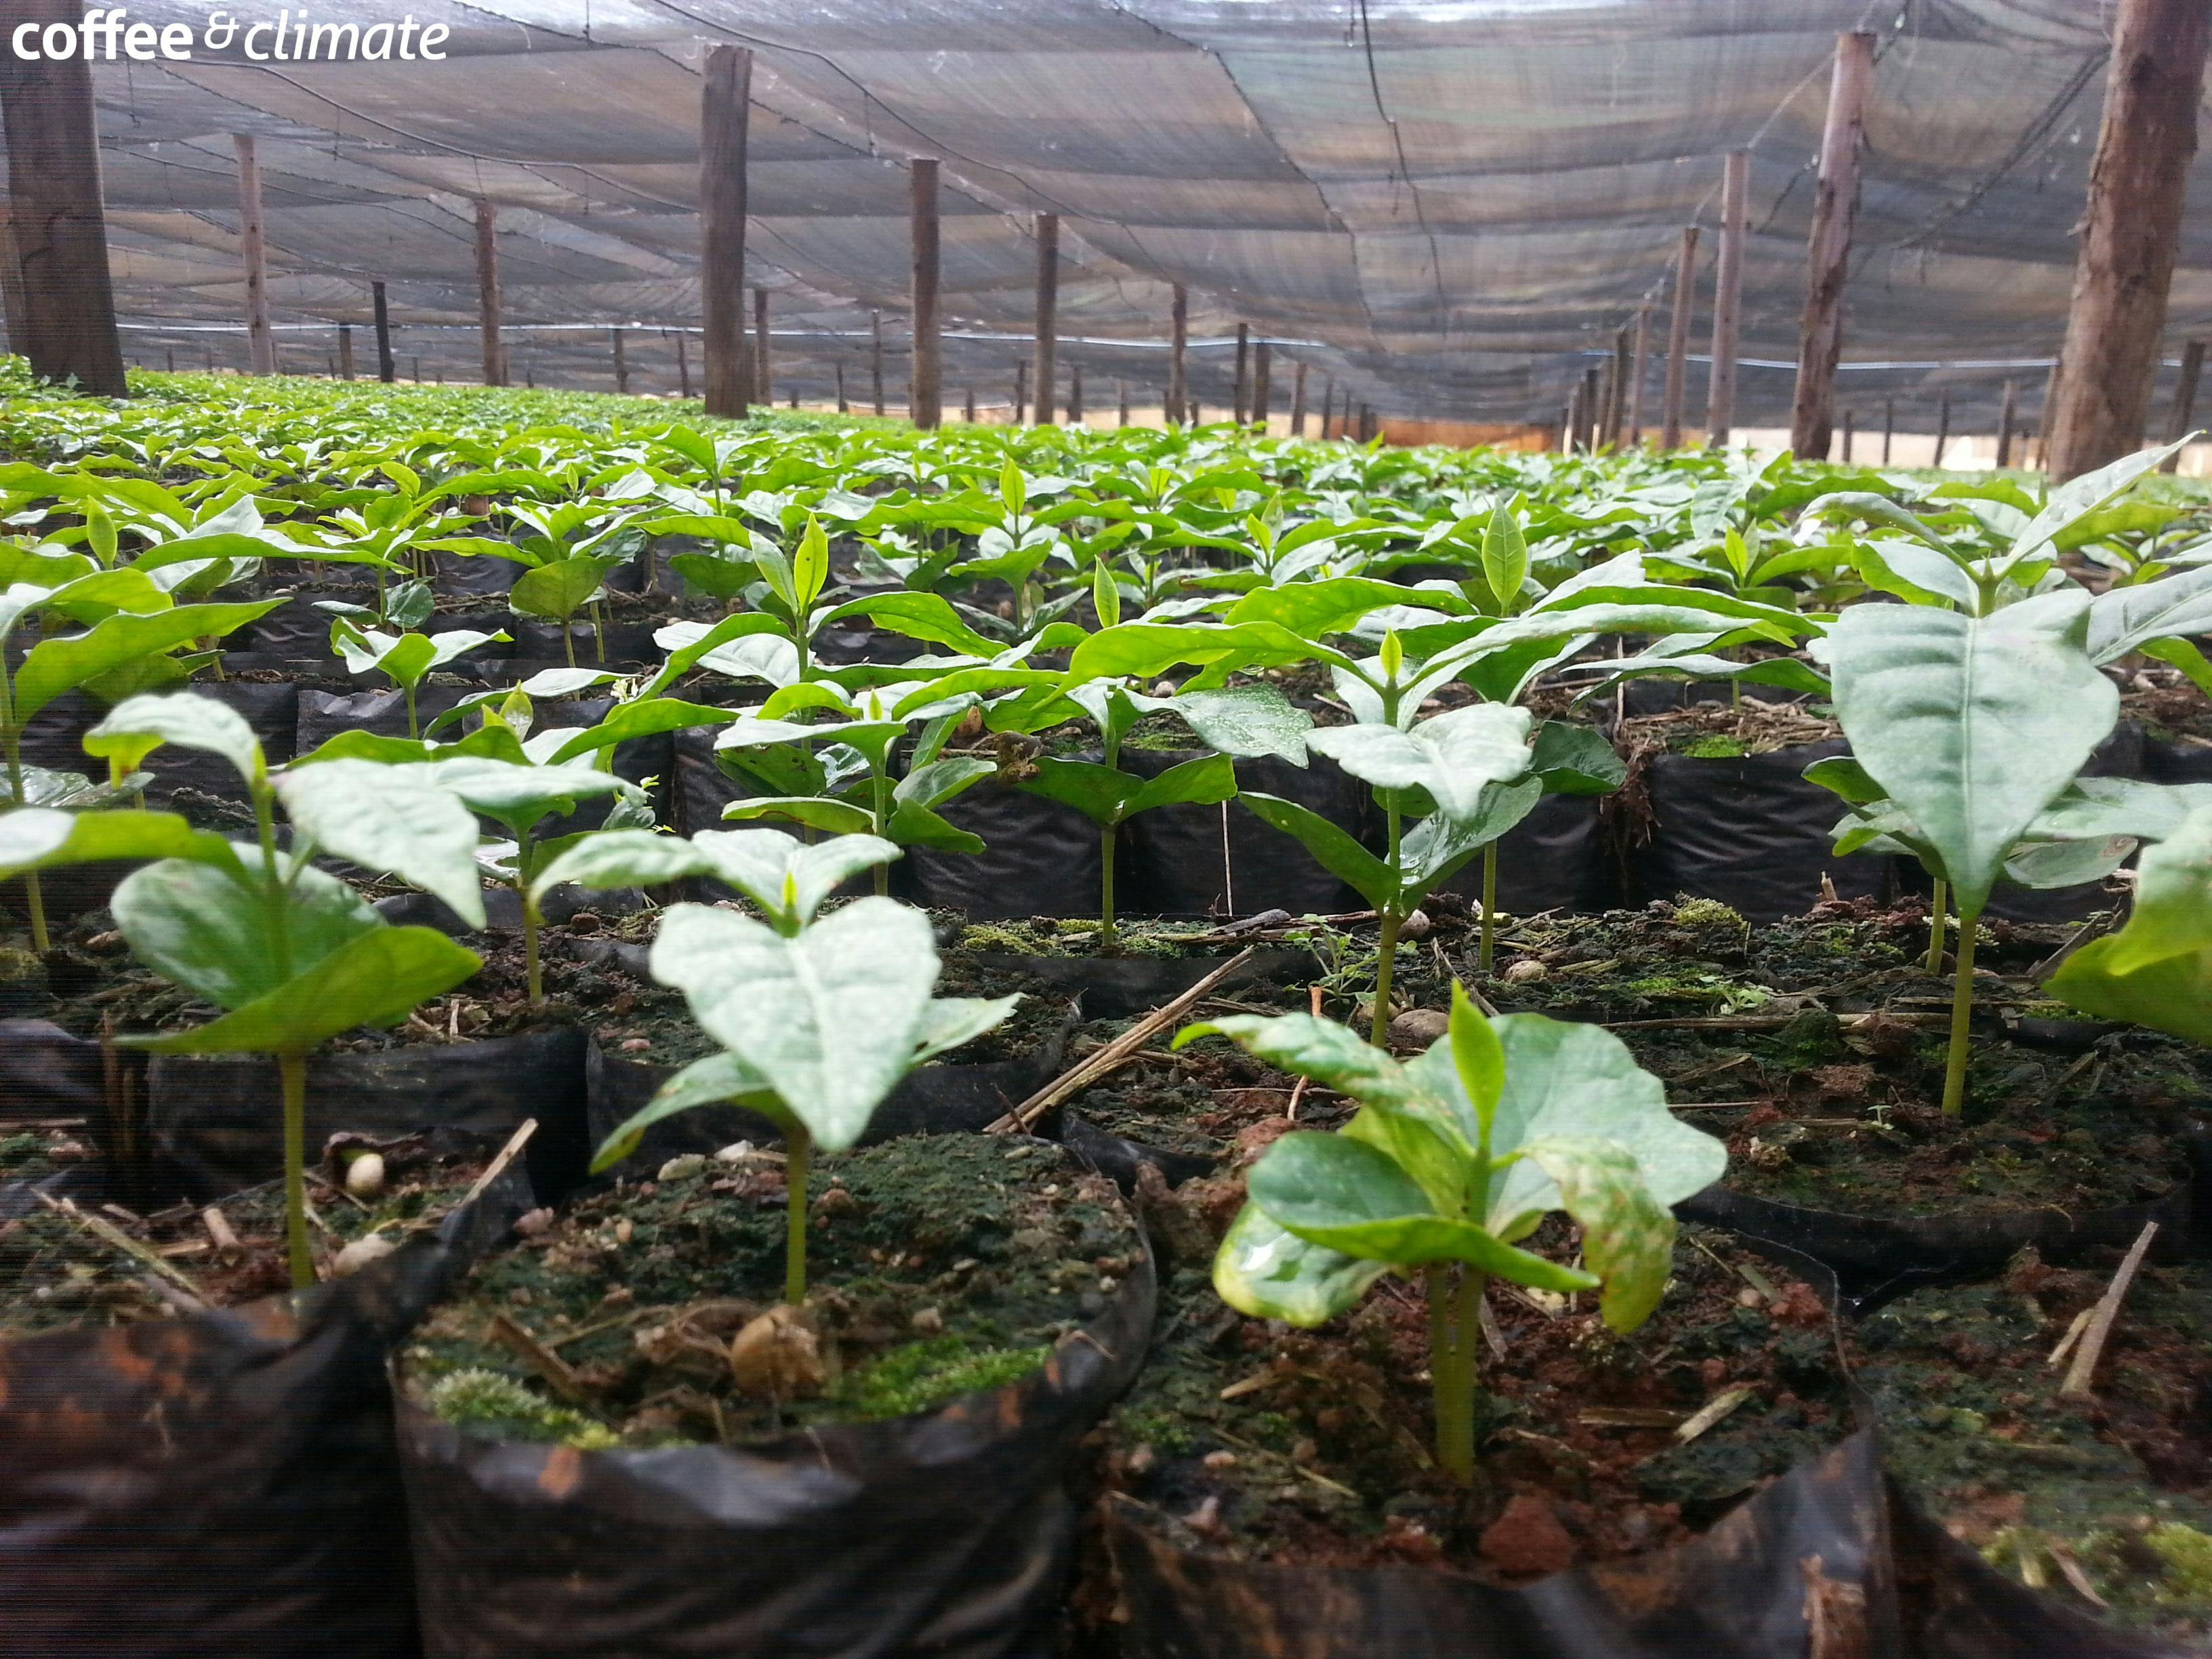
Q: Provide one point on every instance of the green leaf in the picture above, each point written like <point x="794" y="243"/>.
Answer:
<point x="809" y="567"/>
<point x="39" y="838"/>
<point x="376" y="978"/>
<point x="828" y="1019"/>
<point x="1917" y="575"/>
<point x="184" y="719"/>
<point x="1972" y="725"/>
<point x="362" y="812"/>
<point x="53" y="666"/>
<point x="837" y="817"/>
<point x="1321" y="1049"/>
<point x="1144" y="651"/>
<point x="1266" y="1272"/>
<point x="1101" y="794"/>
<point x="1478" y="1057"/>
<point x="2079" y="497"/>
<point x="1437" y="847"/>
<point x="1505" y="556"/>
<point x="1105" y="595"/>
<point x="1452" y="756"/>
<point x="1246" y="720"/>
<point x="765" y="864"/>
<point x="557" y="591"/>
<point x="201" y="927"/>
<point x="1335" y="849"/>
<point x="950" y="1023"/>
<point x="1335" y="604"/>
<point x="1628" y="1237"/>
<point x="933" y="784"/>
<point x="918" y="616"/>
<point x="1575" y="760"/>
<point x="711" y="1081"/>
<point x="2124" y="619"/>
<point x="1201" y="782"/>
<point x="642" y="717"/>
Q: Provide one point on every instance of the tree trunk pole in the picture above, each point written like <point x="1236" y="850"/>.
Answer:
<point x="1262" y="393"/>
<point x="763" y="381"/>
<point x="1327" y="404"/>
<point x="1943" y="427"/>
<point x="1835" y="212"/>
<point x="2185" y="403"/>
<point x="615" y="343"/>
<point x="260" y="338"/>
<point x="65" y="324"/>
<point x="1178" y="346"/>
<point x="1616" y="402"/>
<point x="1850" y="431"/>
<point x="1241" y="393"/>
<point x="1576" y="394"/>
<point x="1298" y="402"/>
<point x="1075" y="394"/>
<point x="1021" y="390"/>
<point x="345" y="352"/>
<point x="1728" y="297"/>
<point x="967" y="399"/>
<point x="12" y="300"/>
<point x="1678" y="339"/>
<point x="1122" y="389"/>
<point x="1888" y="427"/>
<point x="1047" y="313"/>
<point x="2007" y="411"/>
<point x="487" y="306"/>
<point x="725" y="98"/>
<point x="876" y="358"/>
<point x="925" y="398"/>
<point x="845" y="408"/>
<point x="2044" y="414"/>
<point x="2132" y="228"/>
<point x="683" y="366"/>
<point x="1639" y="361"/>
<point x="386" y="370"/>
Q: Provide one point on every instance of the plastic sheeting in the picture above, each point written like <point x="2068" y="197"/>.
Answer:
<point x="1445" y="206"/>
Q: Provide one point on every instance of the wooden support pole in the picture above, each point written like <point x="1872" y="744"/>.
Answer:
<point x="2185" y="403"/>
<point x="1178" y="344"/>
<point x="1835" y="211"/>
<point x="967" y="401"/>
<point x="683" y="366"/>
<point x="844" y="408"/>
<point x="1639" y="359"/>
<point x="1047" y="313"/>
<point x="1262" y="372"/>
<point x="925" y="397"/>
<point x="2131" y="231"/>
<point x="1122" y="390"/>
<point x="12" y="302"/>
<point x="616" y="344"/>
<point x="1298" y="402"/>
<point x="169" y="361"/>
<point x="1850" y="431"/>
<point x="2048" y="406"/>
<point x="1678" y="339"/>
<point x="345" y="352"/>
<point x="1942" y="428"/>
<point x="1021" y="390"/>
<point x="1327" y="403"/>
<point x="1075" y="394"/>
<point x="1240" y="394"/>
<point x="875" y="359"/>
<point x="1616" y="402"/>
<point x="725" y="104"/>
<point x="1888" y="426"/>
<point x="260" y="338"/>
<point x="493" y="352"/>
<point x="386" y="370"/>
<point x="1573" y="439"/>
<point x="416" y="363"/>
<point x="2007" y="411"/>
<point x="1728" y="296"/>
<point x="763" y="380"/>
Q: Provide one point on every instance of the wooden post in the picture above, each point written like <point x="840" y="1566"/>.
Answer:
<point x="1835" y="211"/>
<point x="1048" y="312"/>
<point x="1240" y="394"/>
<point x="2184" y="404"/>
<point x="1298" y="402"/>
<point x="417" y="364"/>
<point x="1122" y="390"/>
<point x="794" y="397"/>
<point x="876" y="360"/>
<point x="967" y="401"/>
<point x="621" y="360"/>
<point x="488" y="308"/>
<point x="1850" y="431"/>
<point x="1262" y="393"/>
<point x="2042" y="414"/>
<point x="1616" y="397"/>
<point x="1021" y="390"/>
<point x="345" y="352"/>
<point x="764" y="382"/>
<point x="1075" y="394"/>
<point x="2007" y="410"/>
<point x="386" y="370"/>
<point x="260" y="339"/>
<point x="1639" y="358"/>
<point x="725" y="104"/>
<point x="169" y="361"/>
<point x="1942" y="428"/>
<point x="1678" y="339"/>
<point x="1888" y="426"/>
<point x="1178" y="342"/>
<point x="1327" y="404"/>
<point x="683" y="366"/>
<point x="1728" y="297"/>
<point x="12" y="302"/>
<point x="2132" y="227"/>
<point x="926" y="398"/>
<point x="844" y="408"/>
<point x="1574" y="433"/>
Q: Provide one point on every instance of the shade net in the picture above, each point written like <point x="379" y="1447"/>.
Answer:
<point x="1444" y="208"/>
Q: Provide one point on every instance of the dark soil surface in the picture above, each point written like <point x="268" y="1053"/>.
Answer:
<point x="1321" y="1454"/>
<point x="2167" y="708"/>
<point x="1719" y="730"/>
<point x="2107" y="1498"/>
<point x="56" y="1271"/>
<point x="937" y="1265"/>
<point x="1048" y="936"/>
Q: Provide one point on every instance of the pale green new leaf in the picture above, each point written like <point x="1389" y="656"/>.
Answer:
<point x="184" y="719"/>
<point x="366" y="812"/>
<point x="1267" y="1272"/>
<point x="39" y="837"/>
<point x="1452" y="756"/>
<point x="1628" y="1236"/>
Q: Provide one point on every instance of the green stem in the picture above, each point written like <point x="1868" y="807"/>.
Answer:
<point x="569" y="638"/>
<point x="11" y="739"/>
<point x="292" y="1069"/>
<point x="1936" y="907"/>
<point x="598" y="634"/>
<point x="34" y="900"/>
<point x="414" y="729"/>
<point x="1106" y="885"/>
<point x="1962" y="1009"/>
<point x="530" y="969"/>
<point x="275" y="888"/>
<point x="1454" y="1367"/>
<point x="1487" y="950"/>
<point x="1435" y="1278"/>
<point x="1389" y="921"/>
<point x="797" y="1153"/>
<point x="879" y="786"/>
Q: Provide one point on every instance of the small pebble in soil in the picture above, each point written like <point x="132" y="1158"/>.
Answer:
<point x="373" y="1247"/>
<point x="1417" y="1028"/>
<point x="683" y="1166"/>
<point x="1526" y="971"/>
<point x="364" y="1177"/>
<point x="736" y="1152"/>
<point x="636" y="1045"/>
<point x="530" y="1223"/>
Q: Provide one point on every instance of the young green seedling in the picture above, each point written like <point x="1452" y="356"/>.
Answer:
<point x="292" y="955"/>
<point x="1452" y="1158"/>
<point x="817" y="1018"/>
<point x="406" y="658"/>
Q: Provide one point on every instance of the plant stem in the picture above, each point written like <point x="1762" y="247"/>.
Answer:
<point x="292" y="1069"/>
<point x="569" y="638"/>
<point x="1962" y="1009"/>
<point x="1106" y="885"/>
<point x="797" y="1154"/>
<point x="34" y="900"/>
<point x="414" y="729"/>
<point x="1387" y="923"/>
<point x="530" y="969"/>
<point x="1935" y="909"/>
<point x="1451" y="1365"/>
<point x="880" y="786"/>
<point x="1486" y="951"/>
